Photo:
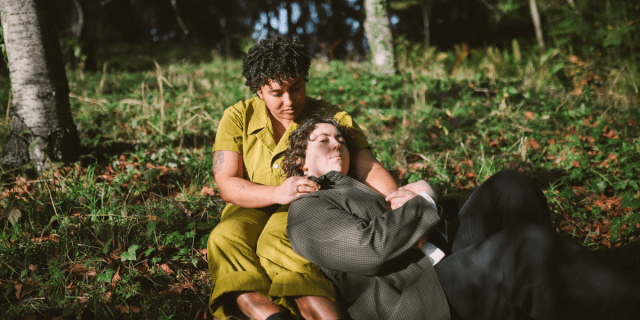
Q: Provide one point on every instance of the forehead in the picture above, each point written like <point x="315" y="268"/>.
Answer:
<point x="286" y="83"/>
<point x="325" y="129"/>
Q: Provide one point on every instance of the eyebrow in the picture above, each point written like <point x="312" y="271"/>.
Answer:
<point x="328" y="135"/>
<point x="292" y="85"/>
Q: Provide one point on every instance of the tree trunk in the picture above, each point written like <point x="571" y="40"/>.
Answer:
<point x="84" y="28"/>
<point x="536" y="23"/>
<point x="425" y="5"/>
<point x="378" y="29"/>
<point x="42" y="129"/>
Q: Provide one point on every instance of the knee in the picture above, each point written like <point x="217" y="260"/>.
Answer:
<point x="219" y="237"/>
<point x="516" y="185"/>
<point x="262" y="245"/>
<point x="274" y="236"/>
<point x="535" y="242"/>
<point x="266" y="243"/>
<point x="511" y="179"/>
<point x="232" y="233"/>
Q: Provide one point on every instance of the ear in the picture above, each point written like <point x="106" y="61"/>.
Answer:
<point x="259" y="92"/>
<point x="303" y="167"/>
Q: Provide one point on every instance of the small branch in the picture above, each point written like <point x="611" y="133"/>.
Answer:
<point x="182" y="25"/>
<point x="9" y="266"/>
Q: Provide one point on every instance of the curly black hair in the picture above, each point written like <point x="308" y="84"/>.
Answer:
<point x="273" y="59"/>
<point x="295" y="155"/>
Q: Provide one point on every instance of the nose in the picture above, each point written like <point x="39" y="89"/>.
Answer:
<point x="286" y="99"/>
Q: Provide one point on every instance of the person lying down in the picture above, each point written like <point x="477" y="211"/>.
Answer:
<point x="501" y="258"/>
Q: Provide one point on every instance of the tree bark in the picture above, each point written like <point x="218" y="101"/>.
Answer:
<point x="42" y="128"/>
<point x="84" y="28"/>
<point x="536" y="23"/>
<point x="425" y="5"/>
<point x="378" y="29"/>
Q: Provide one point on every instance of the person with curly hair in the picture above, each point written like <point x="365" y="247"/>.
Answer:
<point x="254" y="271"/>
<point x="502" y="260"/>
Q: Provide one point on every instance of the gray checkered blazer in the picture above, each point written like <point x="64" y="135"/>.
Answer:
<point x="365" y="248"/>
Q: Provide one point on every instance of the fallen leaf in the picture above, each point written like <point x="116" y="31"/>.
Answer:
<point x="611" y="134"/>
<point x="127" y="309"/>
<point x="166" y="268"/>
<point x="115" y="254"/>
<point x="108" y="297"/>
<point x="206" y="191"/>
<point x="51" y="237"/>
<point x="18" y="287"/>
<point x="532" y="143"/>
<point x="529" y="115"/>
<point x="14" y="215"/>
<point x="467" y="162"/>
<point x="204" y="254"/>
<point x="116" y="278"/>
<point x="176" y="289"/>
<point x="81" y="270"/>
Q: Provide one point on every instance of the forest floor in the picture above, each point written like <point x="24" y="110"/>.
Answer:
<point x="122" y="232"/>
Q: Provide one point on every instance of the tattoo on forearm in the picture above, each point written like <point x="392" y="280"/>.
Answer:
<point x="218" y="160"/>
<point x="239" y="187"/>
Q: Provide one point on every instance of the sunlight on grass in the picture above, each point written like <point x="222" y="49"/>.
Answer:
<point x="123" y="229"/>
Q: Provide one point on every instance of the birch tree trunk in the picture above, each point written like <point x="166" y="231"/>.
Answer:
<point x="42" y="129"/>
<point x="378" y="29"/>
<point x="536" y="23"/>
<point x="425" y="5"/>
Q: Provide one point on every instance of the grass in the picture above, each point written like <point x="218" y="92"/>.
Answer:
<point x="122" y="231"/>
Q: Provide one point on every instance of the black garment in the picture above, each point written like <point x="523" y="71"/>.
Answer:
<point x="508" y="262"/>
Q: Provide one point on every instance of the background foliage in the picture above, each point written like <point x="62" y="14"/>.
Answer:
<point x="122" y="232"/>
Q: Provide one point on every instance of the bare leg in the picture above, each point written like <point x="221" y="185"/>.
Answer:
<point x="257" y="306"/>
<point x="318" y="308"/>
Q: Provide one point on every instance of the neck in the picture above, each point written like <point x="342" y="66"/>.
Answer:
<point x="280" y="123"/>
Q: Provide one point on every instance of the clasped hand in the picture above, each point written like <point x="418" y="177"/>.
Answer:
<point x="403" y="194"/>
<point x="294" y="187"/>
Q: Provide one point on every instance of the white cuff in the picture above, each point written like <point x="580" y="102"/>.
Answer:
<point x="434" y="254"/>
<point x="428" y="198"/>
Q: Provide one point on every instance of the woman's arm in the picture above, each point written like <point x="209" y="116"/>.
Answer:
<point x="326" y="232"/>
<point x="371" y="172"/>
<point x="234" y="188"/>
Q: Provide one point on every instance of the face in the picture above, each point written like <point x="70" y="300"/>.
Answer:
<point x="287" y="101"/>
<point x="326" y="151"/>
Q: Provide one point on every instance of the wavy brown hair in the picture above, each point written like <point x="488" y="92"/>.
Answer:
<point x="296" y="153"/>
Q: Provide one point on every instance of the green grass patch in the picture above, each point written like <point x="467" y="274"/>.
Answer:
<point x="122" y="231"/>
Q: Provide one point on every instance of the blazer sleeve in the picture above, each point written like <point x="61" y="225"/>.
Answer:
<point x="326" y="232"/>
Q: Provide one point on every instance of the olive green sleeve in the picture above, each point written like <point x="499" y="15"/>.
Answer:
<point x="231" y="129"/>
<point x="345" y="119"/>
